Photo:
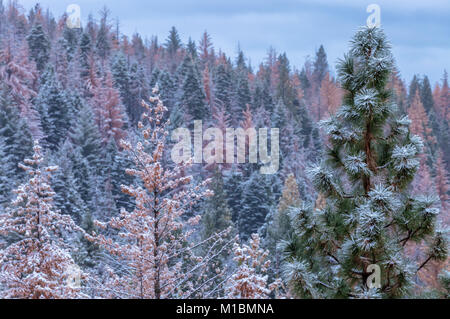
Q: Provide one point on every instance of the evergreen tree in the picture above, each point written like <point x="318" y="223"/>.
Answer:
<point x="278" y="226"/>
<point x="217" y="214"/>
<point x="67" y="199"/>
<point x="14" y="133"/>
<point x="285" y="90"/>
<point x="173" y="42"/>
<point x="426" y="95"/>
<point x="39" y="46"/>
<point x="84" y="53"/>
<point x="116" y="163"/>
<point x="103" y="45"/>
<point x="6" y="167"/>
<point x="193" y="98"/>
<point x="222" y="82"/>
<point x="369" y="219"/>
<point x="70" y="41"/>
<point x="233" y="188"/>
<point x="53" y="107"/>
<point x="414" y="87"/>
<point x="259" y="195"/>
<point x="320" y="66"/>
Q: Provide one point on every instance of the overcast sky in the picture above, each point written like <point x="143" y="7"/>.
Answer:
<point x="418" y="29"/>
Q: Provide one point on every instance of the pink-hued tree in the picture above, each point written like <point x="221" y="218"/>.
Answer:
<point x="36" y="264"/>
<point x="19" y="75"/>
<point x="441" y="97"/>
<point x="108" y="109"/>
<point x="419" y="120"/>
<point x="330" y="97"/>
<point x="423" y="181"/>
<point x="153" y="258"/>
<point x="249" y="281"/>
<point x="442" y="185"/>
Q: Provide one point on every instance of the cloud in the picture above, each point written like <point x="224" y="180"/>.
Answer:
<point x="419" y="30"/>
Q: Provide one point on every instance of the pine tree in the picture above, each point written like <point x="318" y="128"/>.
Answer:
<point x="414" y="87"/>
<point x="53" y="106"/>
<point x="86" y="136"/>
<point x="368" y="219"/>
<point x="6" y="167"/>
<point x="426" y="95"/>
<point x="15" y="134"/>
<point x="285" y="89"/>
<point x="222" y="87"/>
<point x="320" y="66"/>
<point x="103" y="44"/>
<point x="85" y="50"/>
<point x="67" y="199"/>
<point x="233" y="188"/>
<point x="278" y="225"/>
<point x="39" y="46"/>
<point x="155" y="257"/>
<point x="173" y="42"/>
<point x="37" y="265"/>
<point x="259" y="196"/>
<point x="217" y="214"/>
<point x="193" y="97"/>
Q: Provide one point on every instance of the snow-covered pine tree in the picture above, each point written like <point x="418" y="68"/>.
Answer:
<point x="259" y="195"/>
<point x="39" y="46"/>
<point x="369" y="215"/>
<point x="15" y="131"/>
<point x="37" y="263"/>
<point x="67" y="199"/>
<point x="53" y="107"/>
<point x="193" y="97"/>
<point x="278" y="227"/>
<point x="6" y="167"/>
<point x="222" y="87"/>
<point x="217" y="214"/>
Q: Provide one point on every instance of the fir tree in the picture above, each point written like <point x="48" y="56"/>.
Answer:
<point x="193" y="97"/>
<point x="320" y="66"/>
<point x="6" y="167"/>
<point x="278" y="225"/>
<point x="217" y="214"/>
<point x="39" y="46"/>
<point x="259" y="195"/>
<point x="173" y="42"/>
<point x="103" y="45"/>
<point x="15" y="134"/>
<point x="223" y="87"/>
<point x="53" y="107"/>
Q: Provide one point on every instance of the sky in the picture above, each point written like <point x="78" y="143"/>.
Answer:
<point x="418" y="30"/>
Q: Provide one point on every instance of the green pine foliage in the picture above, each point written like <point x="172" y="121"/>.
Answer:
<point x="369" y="215"/>
<point x="39" y="46"/>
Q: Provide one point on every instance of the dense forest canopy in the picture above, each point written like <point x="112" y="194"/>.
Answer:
<point x="87" y="181"/>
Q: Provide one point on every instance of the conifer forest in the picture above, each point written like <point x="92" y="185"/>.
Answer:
<point x="139" y="166"/>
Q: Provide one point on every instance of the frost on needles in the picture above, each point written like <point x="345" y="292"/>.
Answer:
<point x="369" y="216"/>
